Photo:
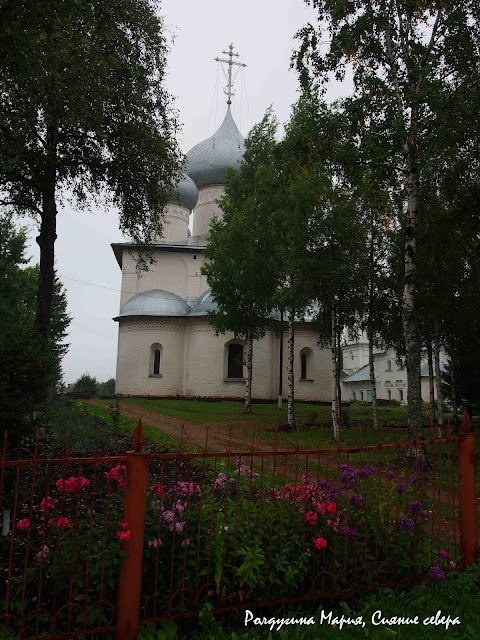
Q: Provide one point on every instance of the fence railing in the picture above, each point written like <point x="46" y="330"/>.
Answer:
<point x="107" y="543"/>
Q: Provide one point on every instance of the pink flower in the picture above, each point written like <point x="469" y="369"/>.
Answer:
<point x="322" y="507"/>
<point x="64" y="522"/>
<point x="311" y="517"/>
<point x="23" y="524"/>
<point x="332" y="507"/>
<point x="320" y="543"/>
<point x="154" y="544"/>
<point x="43" y="552"/>
<point x="47" y="504"/>
<point x="72" y="485"/>
<point x="158" y="488"/>
<point x="123" y="535"/>
<point x="118" y="473"/>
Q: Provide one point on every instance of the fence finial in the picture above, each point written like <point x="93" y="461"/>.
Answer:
<point x="465" y="422"/>
<point x="138" y="437"/>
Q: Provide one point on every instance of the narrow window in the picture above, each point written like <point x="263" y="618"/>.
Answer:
<point x="389" y="365"/>
<point x="361" y="396"/>
<point x="389" y="394"/>
<point x="235" y="361"/>
<point x="354" y="395"/>
<point x="156" y="362"/>
<point x="303" y="366"/>
<point x="400" y="393"/>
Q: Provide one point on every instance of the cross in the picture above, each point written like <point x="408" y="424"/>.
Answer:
<point x="229" y="88"/>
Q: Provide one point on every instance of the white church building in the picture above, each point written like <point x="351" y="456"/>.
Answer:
<point x="166" y="345"/>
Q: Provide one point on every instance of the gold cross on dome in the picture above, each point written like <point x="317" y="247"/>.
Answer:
<point x="229" y="88"/>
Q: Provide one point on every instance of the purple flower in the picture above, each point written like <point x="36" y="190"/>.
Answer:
<point x="347" y="532"/>
<point x="407" y="524"/>
<point x="221" y="480"/>
<point x="154" y="544"/>
<point x="413" y="478"/>
<point x="367" y="471"/>
<point x="426" y="515"/>
<point x="185" y="543"/>
<point x="389" y="474"/>
<point x="443" y="554"/>
<point x="168" y="516"/>
<point x="179" y="526"/>
<point x="223" y="529"/>
<point x="400" y="488"/>
<point x="349" y="477"/>
<point x="356" y="500"/>
<point x="414" y="507"/>
<point x="436" y="573"/>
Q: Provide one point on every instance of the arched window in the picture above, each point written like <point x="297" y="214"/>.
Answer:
<point x="389" y="365"/>
<point x="155" y="366"/>
<point x="306" y="364"/>
<point x="235" y="360"/>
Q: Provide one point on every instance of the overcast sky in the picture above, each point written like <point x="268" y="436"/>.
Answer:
<point x="262" y="32"/>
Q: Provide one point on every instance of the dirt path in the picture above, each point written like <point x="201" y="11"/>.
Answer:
<point x="194" y="433"/>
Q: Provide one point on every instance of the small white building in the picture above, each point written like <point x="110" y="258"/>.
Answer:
<point x="390" y="374"/>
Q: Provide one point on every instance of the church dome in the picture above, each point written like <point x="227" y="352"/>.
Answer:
<point x="203" y="304"/>
<point x="155" y="302"/>
<point x="185" y="193"/>
<point x="208" y="160"/>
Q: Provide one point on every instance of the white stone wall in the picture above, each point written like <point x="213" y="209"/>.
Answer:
<point x="206" y="208"/>
<point x="135" y="338"/>
<point x="174" y="271"/>
<point x="194" y="361"/>
<point x="175" y="224"/>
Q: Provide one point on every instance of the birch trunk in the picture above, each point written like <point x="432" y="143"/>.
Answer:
<point x="372" y="379"/>
<point x="431" y="403"/>
<point x="409" y="320"/>
<point x="335" y="407"/>
<point x="453" y="383"/>
<point x="438" y="381"/>
<point x="248" y="382"/>
<point x="291" y="381"/>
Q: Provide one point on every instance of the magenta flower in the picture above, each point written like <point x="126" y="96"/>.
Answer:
<point x="23" y="524"/>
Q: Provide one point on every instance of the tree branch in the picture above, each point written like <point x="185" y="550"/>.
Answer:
<point x="428" y="50"/>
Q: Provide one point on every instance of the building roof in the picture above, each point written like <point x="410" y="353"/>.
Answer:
<point x="185" y="193"/>
<point x="362" y="375"/>
<point x="208" y="160"/>
<point x="154" y="302"/>
<point x="119" y="248"/>
<point x="203" y="304"/>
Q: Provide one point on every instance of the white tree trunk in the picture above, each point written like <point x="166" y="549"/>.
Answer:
<point x="291" y="380"/>
<point x="5" y="523"/>
<point x="335" y="403"/>
<point x="438" y="382"/>
<point x="248" y="382"/>
<point x="372" y="380"/>
<point x="414" y="395"/>
<point x="430" y="381"/>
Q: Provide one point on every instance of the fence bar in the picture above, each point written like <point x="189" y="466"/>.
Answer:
<point x="466" y="493"/>
<point x="130" y="575"/>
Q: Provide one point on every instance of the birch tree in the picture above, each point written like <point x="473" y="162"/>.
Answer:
<point x="413" y="65"/>
<point x="240" y="270"/>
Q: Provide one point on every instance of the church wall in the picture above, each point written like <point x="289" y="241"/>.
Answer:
<point x="133" y="361"/>
<point x="177" y="272"/>
<point x="175" y="225"/>
<point x="206" y="208"/>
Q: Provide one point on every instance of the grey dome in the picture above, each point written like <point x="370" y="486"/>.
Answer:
<point x="203" y="304"/>
<point x="208" y="160"/>
<point x="155" y="302"/>
<point x="185" y="193"/>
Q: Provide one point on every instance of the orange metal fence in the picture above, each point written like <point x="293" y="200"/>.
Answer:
<point x="107" y="543"/>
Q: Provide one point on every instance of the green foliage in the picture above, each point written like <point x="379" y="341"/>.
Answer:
<point x="106" y="388"/>
<point x="83" y="108"/>
<point x="29" y="372"/>
<point x="86" y="383"/>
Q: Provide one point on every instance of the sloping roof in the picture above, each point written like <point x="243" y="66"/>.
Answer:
<point x="362" y="375"/>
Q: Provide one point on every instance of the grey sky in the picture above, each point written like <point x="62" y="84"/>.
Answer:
<point x="198" y="30"/>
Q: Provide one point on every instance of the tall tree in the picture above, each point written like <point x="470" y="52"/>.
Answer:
<point x="414" y="64"/>
<point x="240" y="269"/>
<point x="23" y="367"/>
<point x="82" y="108"/>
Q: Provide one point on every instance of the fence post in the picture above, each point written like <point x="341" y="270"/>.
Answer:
<point x="130" y="575"/>
<point x="466" y="493"/>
